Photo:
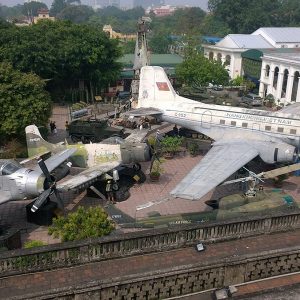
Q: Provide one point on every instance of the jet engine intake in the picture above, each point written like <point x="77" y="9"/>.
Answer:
<point x="280" y="152"/>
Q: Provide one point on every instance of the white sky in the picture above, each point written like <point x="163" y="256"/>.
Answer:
<point x="124" y="3"/>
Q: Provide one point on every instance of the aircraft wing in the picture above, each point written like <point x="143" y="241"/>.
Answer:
<point x="217" y="165"/>
<point x="291" y="109"/>
<point x="87" y="177"/>
<point x="143" y="111"/>
<point x="57" y="159"/>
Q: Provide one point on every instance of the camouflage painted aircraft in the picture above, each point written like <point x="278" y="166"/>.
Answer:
<point x="97" y="158"/>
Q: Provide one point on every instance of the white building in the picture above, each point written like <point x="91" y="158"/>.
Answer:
<point x="229" y="50"/>
<point x="280" y="74"/>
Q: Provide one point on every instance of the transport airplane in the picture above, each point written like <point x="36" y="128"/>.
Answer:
<point x="240" y="134"/>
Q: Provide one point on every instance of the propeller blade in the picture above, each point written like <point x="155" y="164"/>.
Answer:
<point x="237" y="180"/>
<point x="62" y="171"/>
<point x="280" y="171"/>
<point x="44" y="169"/>
<point x="60" y="202"/>
<point x="41" y="199"/>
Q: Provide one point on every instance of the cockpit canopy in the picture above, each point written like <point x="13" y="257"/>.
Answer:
<point x="8" y="167"/>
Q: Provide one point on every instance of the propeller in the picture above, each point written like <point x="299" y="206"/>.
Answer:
<point x="50" y="187"/>
<point x="265" y="175"/>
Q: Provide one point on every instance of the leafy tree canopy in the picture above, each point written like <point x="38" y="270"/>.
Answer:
<point x="76" y="13"/>
<point x="196" y="69"/>
<point x="31" y="8"/>
<point x="23" y="101"/>
<point x="58" y="5"/>
<point x="82" y="224"/>
<point x="62" y="52"/>
<point x="245" y="16"/>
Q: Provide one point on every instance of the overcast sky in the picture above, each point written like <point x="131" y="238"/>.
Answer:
<point x="126" y="3"/>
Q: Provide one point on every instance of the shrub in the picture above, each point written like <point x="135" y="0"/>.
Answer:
<point x="84" y="223"/>
<point x="33" y="243"/>
<point x="171" y="144"/>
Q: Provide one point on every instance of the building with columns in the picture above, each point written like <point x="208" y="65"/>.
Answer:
<point x="229" y="50"/>
<point x="280" y="74"/>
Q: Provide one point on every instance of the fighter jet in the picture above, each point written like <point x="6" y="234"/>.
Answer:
<point x="97" y="158"/>
<point x="240" y="134"/>
<point x="18" y="182"/>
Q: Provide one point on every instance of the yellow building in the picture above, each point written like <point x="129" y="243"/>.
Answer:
<point x="43" y="14"/>
<point x="117" y="35"/>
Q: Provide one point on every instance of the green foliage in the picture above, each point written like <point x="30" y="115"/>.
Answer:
<point x="193" y="149"/>
<point x="23" y="101"/>
<point x="84" y="223"/>
<point x="33" y="243"/>
<point x="238" y="81"/>
<point x="171" y="143"/>
<point x="198" y="70"/>
<point x="159" y="44"/>
<point x="157" y="168"/>
<point x="76" y="13"/>
<point x="62" y="52"/>
<point x="242" y="16"/>
<point x="31" y="8"/>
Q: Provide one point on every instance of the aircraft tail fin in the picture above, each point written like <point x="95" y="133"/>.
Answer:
<point x="35" y="143"/>
<point x="155" y="88"/>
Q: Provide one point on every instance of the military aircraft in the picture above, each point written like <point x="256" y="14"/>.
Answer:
<point x="240" y="134"/>
<point x="18" y="182"/>
<point x="97" y="158"/>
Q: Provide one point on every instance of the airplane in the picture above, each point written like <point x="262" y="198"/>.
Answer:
<point x="18" y="182"/>
<point x="97" y="158"/>
<point x="240" y="134"/>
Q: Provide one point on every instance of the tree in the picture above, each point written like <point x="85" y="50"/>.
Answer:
<point x="31" y="8"/>
<point x="82" y="224"/>
<point x="76" y="13"/>
<point x="159" y="43"/>
<point x="23" y="101"/>
<point x="58" y="5"/>
<point x="245" y="16"/>
<point x="196" y="69"/>
<point x="62" y="53"/>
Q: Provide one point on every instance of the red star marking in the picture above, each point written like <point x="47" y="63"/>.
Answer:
<point x="162" y="86"/>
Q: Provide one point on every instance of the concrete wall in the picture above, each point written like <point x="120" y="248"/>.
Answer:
<point x="92" y="250"/>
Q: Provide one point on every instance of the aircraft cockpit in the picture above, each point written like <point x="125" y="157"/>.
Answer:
<point x="113" y="140"/>
<point x="8" y="167"/>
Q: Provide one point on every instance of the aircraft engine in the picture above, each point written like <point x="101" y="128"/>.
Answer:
<point x="280" y="152"/>
<point x="135" y="152"/>
<point x="35" y="183"/>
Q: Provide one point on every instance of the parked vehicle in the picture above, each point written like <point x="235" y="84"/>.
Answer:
<point x="92" y="130"/>
<point x="252" y="99"/>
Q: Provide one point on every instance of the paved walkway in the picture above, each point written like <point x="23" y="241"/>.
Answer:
<point x="137" y="266"/>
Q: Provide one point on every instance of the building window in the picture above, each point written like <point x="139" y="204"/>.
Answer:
<point x="268" y="128"/>
<point x="222" y="121"/>
<point x="233" y="123"/>
<point x="245" y="125"/>
<point x="280" y="129"/>
<point x="293" y="131"/>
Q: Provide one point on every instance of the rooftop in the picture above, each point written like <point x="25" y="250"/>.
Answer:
<point x="249" y="41"/>
<point x="281" y="34"/>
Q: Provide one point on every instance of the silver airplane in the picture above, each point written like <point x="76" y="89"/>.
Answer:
<point x="18" y="182"/>
<point x="96" y="158"/>
<point x="240" y="134"/>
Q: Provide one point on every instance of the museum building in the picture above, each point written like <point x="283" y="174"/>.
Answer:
<point x="270" y="57"/>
